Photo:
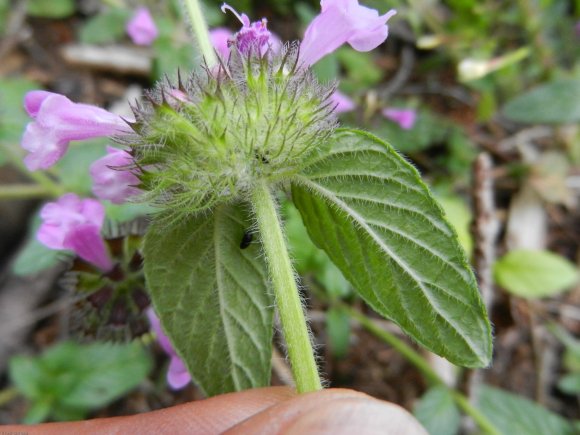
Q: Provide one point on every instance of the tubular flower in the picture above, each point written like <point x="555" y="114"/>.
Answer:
<point x="220" y="39"/>
<point x="58" y="121"/>
<point x="75" y="224"/>
<point x="342" y="102"/>
<point x="111" y="178"/>
<point x="254" y="34"/>
<point x="404" y="117"/>
<point x="342" y="21"/>
<point x="141" y="28"/>
<point x="177" y="375"/>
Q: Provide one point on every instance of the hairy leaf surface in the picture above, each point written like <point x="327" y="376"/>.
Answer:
<point x="212" y="298"/>
<point x="369" y="210"/>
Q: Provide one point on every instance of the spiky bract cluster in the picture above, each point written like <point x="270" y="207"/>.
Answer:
<point x="115" y="302"/>
<point x="253" y="117"/>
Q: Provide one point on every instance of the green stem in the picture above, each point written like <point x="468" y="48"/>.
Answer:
<point x="24" y="191"/>
<point x="53" y="188"/>
<point x="200" y="31"/>
<point x="418" y="361"/>
<point x="7" y="395"/>
<point x="287" y="297"/>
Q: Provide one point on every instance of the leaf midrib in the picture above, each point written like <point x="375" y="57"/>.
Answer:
<point x="404" y="267"/>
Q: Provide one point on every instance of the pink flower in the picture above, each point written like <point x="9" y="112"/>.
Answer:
<point x="141" y="27"/>
<point x="177" y="375"/>
<point x="58" y="121"/>
<point x="111" y="178"/>
<point x="343" y="21"/>
<point x="404" y="117"/>
<point x="342" y="102"/>
<point x="75" y="224"/>
<point x="254" y="34"/>
<point x="220" y="38"/>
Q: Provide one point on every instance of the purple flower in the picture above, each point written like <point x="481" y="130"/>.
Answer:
<point x="75" y="224"/>
<point x="58" y="121"/>
<point x="254" y="34"/>
<point x="111" y="178"/>
<point x="342" y="102"/>
<point x="141" y="27"/>
<point x="221" y="38"/>
<point x="177" y="375"/>
<point x="343" y="21"/>
<point x="404" y="117"/>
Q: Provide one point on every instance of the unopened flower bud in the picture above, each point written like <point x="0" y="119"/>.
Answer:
<point x="257" y="117"/>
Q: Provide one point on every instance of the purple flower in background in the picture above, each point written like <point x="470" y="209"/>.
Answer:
<point x="254" y="34"/>
<point x="111" y="178"/>
<point x="141" y="27"/>
<point x="177" y="375"/>
<point x="342" y="102"/>
<point x="58" y="121"/>
<point x="343" y="21"/>
<point x="75" y="224"/>
<point x="220" y="38"/>
<point x="404" y="117"/>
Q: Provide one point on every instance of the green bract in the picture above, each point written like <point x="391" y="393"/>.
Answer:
<point x="256" y="117"/>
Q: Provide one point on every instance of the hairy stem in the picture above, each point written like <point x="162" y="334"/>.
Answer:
<point x="418" y="361"/>
<point x="24" y="191"/>
<point x="288" y="300"/>
<point x="200" y="31"/>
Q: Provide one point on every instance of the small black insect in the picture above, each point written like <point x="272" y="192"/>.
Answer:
<point x="246" y="239"/>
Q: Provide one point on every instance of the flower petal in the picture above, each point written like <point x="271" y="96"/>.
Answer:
<point x="111" y="179"/>
<point x="343" y="21"/>
<point x="59" y="121"/>
<point x="86" y="241"/>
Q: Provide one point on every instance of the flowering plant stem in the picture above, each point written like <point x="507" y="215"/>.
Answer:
<point x="24" y="191"/>
<point x="201" y="31"/>
<point x="419" y="362"/>
<point x="286" y="291"/>
<point x="51" y="188"/>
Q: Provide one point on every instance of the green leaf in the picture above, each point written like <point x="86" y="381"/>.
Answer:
<point x="369" y="210"/>
<point x="73" y="168"/>
<point x="69" y="379"/>
<point x="13" y="118"/>
<point x="437" y="412"/>
<point x="127" y="212"/>
<point x="307" y="258"/>
<point x="534" y="274"/>
<point x="108" y="371"/>
<point x="212" y="298"/>
<point x="38" y="412"/>
<point x="35" y="257"/>
<point x="570" y="384"/>
<point x="511" y="414"/>
<point x="51" y="8"/>
<point x="105" y="27"/>
<point x="26" y="375"/>
<point x="557" y="102"/>
<point x="459" y="216"/>
<point x="338" y="331"/>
